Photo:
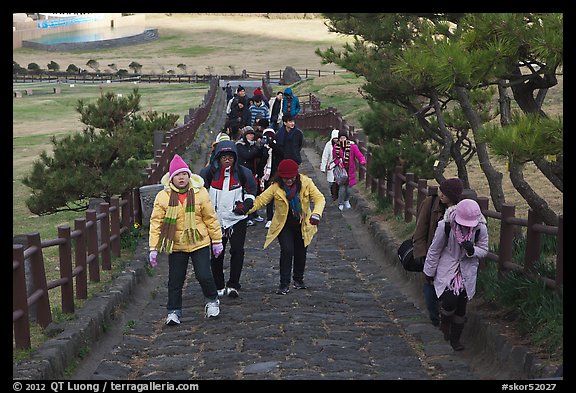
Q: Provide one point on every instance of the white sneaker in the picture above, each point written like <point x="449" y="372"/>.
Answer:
<point x="258" y="219"/>
<point x="268" y="223"/>
<point x="212" y="308"/>
<point x="172" y="319"/>
<point x="223" y="292"/>
<point x="341" y="207"/>
<point x="347" y="204"/>
<point x="250" y="223"/>
<point x="233" y="292"/>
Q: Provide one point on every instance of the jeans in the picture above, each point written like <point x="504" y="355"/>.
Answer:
<point x="291" y="248"/>
<point x="431" y="302"/>
<point x="177" y="268"/>
<point x="343" y="194"/>
<point x="237" y="240"/>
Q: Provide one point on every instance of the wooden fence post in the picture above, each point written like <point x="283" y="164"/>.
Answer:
<point x="92" y="241"/>
<point x="409" y="197"/>
<point x="533" y="242"/>
<point x="506" y="236"/>
<point x="80" y="256"/>
<point x="43" y="312"/>
<point x="397" y="190"/>
<point x="560" y="253"/>
<point x="115" y="226"/>
<point x="19" y="299"/>
<point x="105" y="236"/>
<point x="65" y="253"/>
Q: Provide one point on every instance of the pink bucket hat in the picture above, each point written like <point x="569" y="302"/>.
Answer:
<point x="178" y="165"/>
<point x="468" y="213"/>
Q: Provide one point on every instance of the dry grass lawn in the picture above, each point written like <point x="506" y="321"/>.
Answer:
<point x="212" y="42"/>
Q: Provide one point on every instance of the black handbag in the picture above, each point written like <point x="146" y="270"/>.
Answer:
<point x="406" y="256"/>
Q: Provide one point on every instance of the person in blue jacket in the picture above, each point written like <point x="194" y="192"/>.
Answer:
<point x="290" y="103"/>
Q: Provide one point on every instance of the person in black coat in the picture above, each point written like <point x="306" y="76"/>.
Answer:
<point x="290" y="139"/>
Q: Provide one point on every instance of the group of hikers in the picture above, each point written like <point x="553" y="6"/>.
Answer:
<point x="254" y="165"/>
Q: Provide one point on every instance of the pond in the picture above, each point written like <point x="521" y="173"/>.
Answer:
<point x="89" y="35"/>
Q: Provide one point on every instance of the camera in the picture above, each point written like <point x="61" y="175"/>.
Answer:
<point x="265" y="140"/>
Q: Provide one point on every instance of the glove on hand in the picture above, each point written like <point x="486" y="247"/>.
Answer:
<point x="314" y="219"/>
<point x="153" y="256"/>
<point x="240" y="208"/>
<point x="429" y="279"/>
<point x="217" y="249"/>
<point x="468" y="246"/>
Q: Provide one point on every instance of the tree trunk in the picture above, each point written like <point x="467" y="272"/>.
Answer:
<point x="492" y="175"/>
<point x="535" y="202"/>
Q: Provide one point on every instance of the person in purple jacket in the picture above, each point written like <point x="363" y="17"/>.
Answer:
<point x="452" y="263"/>
<point x="345" y="154"/>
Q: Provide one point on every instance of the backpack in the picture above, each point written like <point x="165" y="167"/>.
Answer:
<point x="406" y="251"/>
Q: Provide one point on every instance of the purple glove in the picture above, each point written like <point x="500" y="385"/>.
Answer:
<point x="153" y="256"/>
<point x="217" y="249"/>
<point x="314" y="219"/>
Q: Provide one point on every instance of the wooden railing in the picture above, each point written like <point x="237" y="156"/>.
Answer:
<point x="101" y="77"/>
<point x="92" y="252"/>
<point x="399" y="188"/>
<point x="90" y="248"/>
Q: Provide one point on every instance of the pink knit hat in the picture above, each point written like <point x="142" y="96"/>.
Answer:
<point x="178" y="165"/>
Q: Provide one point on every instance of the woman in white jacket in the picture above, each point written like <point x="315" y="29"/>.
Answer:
<point x="326" y="166"/>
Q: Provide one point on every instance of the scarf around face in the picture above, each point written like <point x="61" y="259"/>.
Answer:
<point x="343" y="152"/>
<point x="294" y="200"/>
<point x="168" y="229"/>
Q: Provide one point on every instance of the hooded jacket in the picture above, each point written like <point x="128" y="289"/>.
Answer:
<point x="227" y="186"/>
<point x="444" y="256"/>
<point x="205" y="216"/>
<point x="294" y="105"/>
<point x="309" y="193"/>
<point x="355" y="154"/>
<point x="326" y="165"/>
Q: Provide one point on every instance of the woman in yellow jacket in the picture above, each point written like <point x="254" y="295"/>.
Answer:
<point x="184" y="224"/>
<point x="294" y="222"/>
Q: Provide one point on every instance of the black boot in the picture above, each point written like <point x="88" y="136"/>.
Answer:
<point x="445" y="323"/>
<point x="455" y="333"/>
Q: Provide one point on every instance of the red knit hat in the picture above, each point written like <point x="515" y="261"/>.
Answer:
<point x="287" y="168"/>
<point x="178" y="165"/>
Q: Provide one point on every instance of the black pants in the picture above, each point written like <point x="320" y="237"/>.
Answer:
<point x="454" y="303"/>
<point x="291" y="249"/>
<point x="237" y="240"/>
<point x="270" y="206"/>
<point x="334" y="188"/>
<point x="177" y="268"/>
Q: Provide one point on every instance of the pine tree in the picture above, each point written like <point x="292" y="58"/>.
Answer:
<point x="105" y="159"/>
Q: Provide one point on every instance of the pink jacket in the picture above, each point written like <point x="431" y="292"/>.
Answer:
<point x="355" y="154"/>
